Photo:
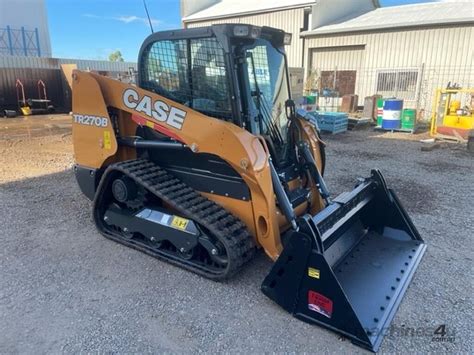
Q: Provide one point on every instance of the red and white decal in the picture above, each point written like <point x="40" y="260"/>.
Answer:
<point x="320" y="304"/>
<point x="142" y="121"/>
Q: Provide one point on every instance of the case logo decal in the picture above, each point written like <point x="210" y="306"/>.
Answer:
<point x="158" y="110"/>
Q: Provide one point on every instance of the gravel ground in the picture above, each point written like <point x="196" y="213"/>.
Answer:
<point x="64" y="288"/>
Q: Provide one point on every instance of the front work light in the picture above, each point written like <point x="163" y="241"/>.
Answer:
<point x="241" y="31"/>
<point x="255" y="32"/>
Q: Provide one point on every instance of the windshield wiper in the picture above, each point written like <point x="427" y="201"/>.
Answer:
<point x="272" y="121"/>
<point x="265" y="115"/>
<point x="257" y="92"/>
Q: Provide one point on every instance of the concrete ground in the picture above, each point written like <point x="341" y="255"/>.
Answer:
<point x="64" y="288"/>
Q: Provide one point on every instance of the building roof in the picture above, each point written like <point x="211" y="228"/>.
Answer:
<point x="239" y="7"/>
<point x="432" y="13"/>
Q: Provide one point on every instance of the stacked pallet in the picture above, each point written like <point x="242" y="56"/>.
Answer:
<point x="331" y="122"/>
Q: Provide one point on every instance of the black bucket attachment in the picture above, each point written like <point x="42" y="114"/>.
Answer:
<point x="348" y="267"/>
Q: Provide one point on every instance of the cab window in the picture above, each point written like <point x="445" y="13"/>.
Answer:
<point x="191" y="72"/>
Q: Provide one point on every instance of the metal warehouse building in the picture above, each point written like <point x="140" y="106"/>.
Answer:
<point x="404" y="51"/>
<point x="358" y="47"/>
<point x="292" y="16"/>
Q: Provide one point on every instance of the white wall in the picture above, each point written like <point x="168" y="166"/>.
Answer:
<point x="29" y="14"/>
<point x="189" y="7"/>
<point x="326" y="12"/>
<point x="287" y="20"/>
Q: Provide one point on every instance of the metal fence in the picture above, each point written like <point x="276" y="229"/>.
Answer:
<point x="19" y="42"/>
<point x="400" y="83"/>
<point x="415" y="85"/>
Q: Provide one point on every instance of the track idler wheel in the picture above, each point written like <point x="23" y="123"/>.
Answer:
<point x="124" y="189"/>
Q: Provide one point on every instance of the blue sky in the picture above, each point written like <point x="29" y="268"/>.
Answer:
<point x="92" y="29"/>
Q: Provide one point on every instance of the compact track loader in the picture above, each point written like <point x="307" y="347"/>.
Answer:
<point x="206" y="160"/>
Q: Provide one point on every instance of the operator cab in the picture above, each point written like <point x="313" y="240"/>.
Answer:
<point x="233" y="72"/>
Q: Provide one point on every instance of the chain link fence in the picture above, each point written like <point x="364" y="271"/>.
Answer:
<point x="415" y="85"/>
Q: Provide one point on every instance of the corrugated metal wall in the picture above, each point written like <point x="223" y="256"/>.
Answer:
<point x="31" y="69"/>
<point x="288" y="20"/>
<point x="28" y="62"/>
<point x="54" y="63"/>
<point x="439" y="55"/>
<point x="29" y="77"/>
<point x="344" y="57"/>
<point x="99" y="65"/>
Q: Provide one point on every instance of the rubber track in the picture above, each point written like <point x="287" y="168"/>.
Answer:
<point x="225" y="227"/>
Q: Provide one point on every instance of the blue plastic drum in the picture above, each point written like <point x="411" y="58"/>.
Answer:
<point x="392" y="114"/>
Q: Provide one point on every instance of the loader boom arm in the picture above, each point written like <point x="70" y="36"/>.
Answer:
<point x="95" y="94"/>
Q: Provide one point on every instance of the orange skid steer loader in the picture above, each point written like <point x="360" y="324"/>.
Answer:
<point x="206" y="160"/>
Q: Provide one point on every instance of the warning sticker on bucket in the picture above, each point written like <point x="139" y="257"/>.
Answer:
<point x="319" y="303"/>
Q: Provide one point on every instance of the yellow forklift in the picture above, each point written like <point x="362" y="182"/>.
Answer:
<point x="453" y="114"/>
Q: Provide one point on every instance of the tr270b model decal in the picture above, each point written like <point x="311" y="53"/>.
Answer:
<point x="90" y="120"/>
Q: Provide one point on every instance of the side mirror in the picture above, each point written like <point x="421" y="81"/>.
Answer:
<point x="290" y="109"/>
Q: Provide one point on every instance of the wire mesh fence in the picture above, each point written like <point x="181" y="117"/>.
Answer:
<point x="415" y="85"/>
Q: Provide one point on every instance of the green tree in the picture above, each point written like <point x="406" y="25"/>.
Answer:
<point x="116" y="56"/>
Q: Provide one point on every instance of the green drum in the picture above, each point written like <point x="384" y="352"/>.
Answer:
<point x="379" y="111"/>
<point x="408" y="118"/>
<point x="311" y="99"/>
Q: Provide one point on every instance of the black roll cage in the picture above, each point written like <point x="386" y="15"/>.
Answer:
<point x="224" y="33"/>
